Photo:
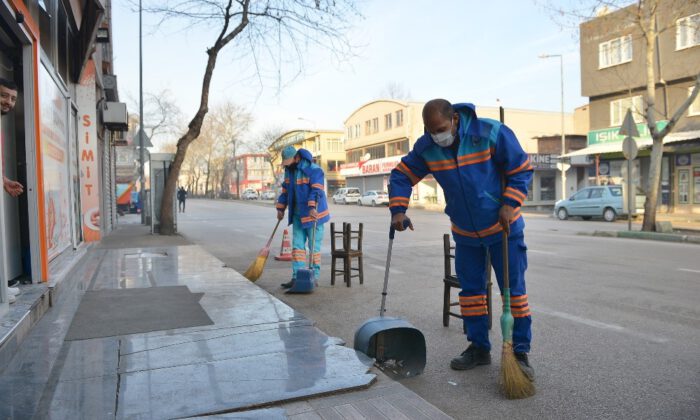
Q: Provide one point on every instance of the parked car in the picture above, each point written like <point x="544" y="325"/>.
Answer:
<point x="603" y="201"/>
<point x="268" y="195"/>
<point x="373" y="198"/>
<point x="249" y="194"/>
<point x="346" y="195"/>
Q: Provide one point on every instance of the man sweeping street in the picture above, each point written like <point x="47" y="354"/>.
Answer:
<point x="469" y="157"/>
<point x="303" y="193"/>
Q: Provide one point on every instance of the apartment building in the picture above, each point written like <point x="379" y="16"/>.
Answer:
<point x="613" y="77"/>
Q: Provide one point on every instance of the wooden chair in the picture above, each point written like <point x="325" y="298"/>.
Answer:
<point x="347" y="252"/>
<point x="450" y="280"/>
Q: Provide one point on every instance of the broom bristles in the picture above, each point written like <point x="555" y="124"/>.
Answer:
<point x="256" y="268"/>
<point x="514" y="383"/>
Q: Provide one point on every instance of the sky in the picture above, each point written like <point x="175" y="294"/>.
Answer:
<point x="463" y="51"/>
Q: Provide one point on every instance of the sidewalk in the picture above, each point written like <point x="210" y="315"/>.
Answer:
<point x="154" y="327"/>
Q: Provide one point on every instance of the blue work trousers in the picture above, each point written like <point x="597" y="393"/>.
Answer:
<point x="301" y="238"/>
<point x="470" y="265"/>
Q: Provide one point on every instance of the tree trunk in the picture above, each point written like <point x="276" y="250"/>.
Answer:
<point x="652" y="193"/>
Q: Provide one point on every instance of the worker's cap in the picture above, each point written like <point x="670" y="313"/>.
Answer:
<point x="288" y="154"/>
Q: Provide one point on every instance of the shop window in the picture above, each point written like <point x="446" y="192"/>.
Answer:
<point x="688" y="32"/>
<point x="547" y="187"/>
<point x="619" y="107"/>
<point x="614" y="52"/>
<point x="397" y="148"/>
<point x="387" y="122"/>
<point x="354" y="155"/>
<point x="47" y="18"/>
<point x="376" y="152"/>
<point x="683" y="186"/>
<point x="694" y="108"/>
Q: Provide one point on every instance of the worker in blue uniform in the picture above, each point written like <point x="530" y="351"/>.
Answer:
<point x="471" y="158"/>
<point x="303" y="192"/>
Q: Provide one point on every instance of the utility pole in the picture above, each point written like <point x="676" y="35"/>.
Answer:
<point x="563" y="135"/>
<point x="141" y="129"/>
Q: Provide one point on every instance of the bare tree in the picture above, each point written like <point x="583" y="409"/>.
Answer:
<point x="395" y="90"/>
<point x="264" y="139"/>
<point x="271" y="29"/>
<point x="230" y="124"/>
<point x="163" y="119"/>
<point x="644" y="16"/>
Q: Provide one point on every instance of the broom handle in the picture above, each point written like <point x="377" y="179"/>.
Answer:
<point x="313" y="244"/>
<point x="269" y="241"/>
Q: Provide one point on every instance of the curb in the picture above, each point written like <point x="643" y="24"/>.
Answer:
<point x="650" y="236"/>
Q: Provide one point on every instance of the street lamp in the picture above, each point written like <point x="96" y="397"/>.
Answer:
<point x="141" y="125"/>
<point x="563" y="139"/>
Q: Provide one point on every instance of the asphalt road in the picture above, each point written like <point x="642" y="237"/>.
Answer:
<point x="616" y="323"/>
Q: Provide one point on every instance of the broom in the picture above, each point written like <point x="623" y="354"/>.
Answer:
<point x="256" y="268"/>
<point x="514" y="383"/>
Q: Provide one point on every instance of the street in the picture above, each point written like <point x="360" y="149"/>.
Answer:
<point x="615" y="321"/>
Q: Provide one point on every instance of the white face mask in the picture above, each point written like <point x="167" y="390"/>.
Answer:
<point x="444" y="139"/>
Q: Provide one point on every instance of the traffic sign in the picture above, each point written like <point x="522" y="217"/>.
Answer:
<point x="629" y="148"/>
<point x="629" y="128"/>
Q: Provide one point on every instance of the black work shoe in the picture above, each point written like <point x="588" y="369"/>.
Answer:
<point x="471" y="358"/>
<point x="288" y="284"/>
<point x="524" y="364"/>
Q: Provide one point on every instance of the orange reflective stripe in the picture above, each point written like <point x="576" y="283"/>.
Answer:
<point x="301" y="181"/>
<point x="473" y="156"/>
<point x="398" y="202"/>
<point x="475" y="312"/>
<point x="517" y="193"/>
<point x="485" y="232"/>
<point x="311" y="219"/>
<point x="403" y="168"/>
<point x="281" y="206"/>
<point x="311" y="203"/>
<point x="524" y="167"/>
<point x="476" y="160"/>
<point x="509" y="194"/>
<point x="319" y="186"/>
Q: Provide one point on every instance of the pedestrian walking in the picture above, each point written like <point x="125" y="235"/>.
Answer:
<point x="469" y="157"/>
<point x="303" y="194"/>
<point x="181" y="198"/>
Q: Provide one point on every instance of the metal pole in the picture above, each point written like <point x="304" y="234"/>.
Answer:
<point x="630" y="195"/>
<point x="563" y="136"/>
<point x="141" y="130"/>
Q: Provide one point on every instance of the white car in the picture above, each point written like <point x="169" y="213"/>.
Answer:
<point x="268" y="195"/>
<point x="346" y="195"/>
<point x="373" y="198"/>
<point x="249" y="195"/>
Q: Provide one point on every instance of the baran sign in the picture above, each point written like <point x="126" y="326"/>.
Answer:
<point x="370" y="167"/>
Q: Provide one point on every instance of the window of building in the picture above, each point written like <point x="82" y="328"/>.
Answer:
<point x="387" y="122"/>
<point x="688" y="31"/>
<point x="547" y="187"/>
<point x="375" y="125"/>
<point x="397" y="148"/>
<point x="399" y="118"/>
<point x="368" y="127"/>
<point x="376" y="152"/>
<point x="354" y="155"/>
<point x="694" y="108"/>
<point x="334" y="145"/>
<point x="357" y="130"/>
<point x="349" y="133"/>
<point x="614" y="52"/>
<point x="619" y="107"/>
<point x="334" y="165"/>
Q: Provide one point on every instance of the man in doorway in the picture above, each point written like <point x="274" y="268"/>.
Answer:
<point x="469" y="156"/>
<point x="303" y="192"/>
<point x="181" y="197"/>
<point x="8" y="100"/>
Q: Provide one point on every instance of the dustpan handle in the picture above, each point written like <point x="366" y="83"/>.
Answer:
<point x="392" y="232"/>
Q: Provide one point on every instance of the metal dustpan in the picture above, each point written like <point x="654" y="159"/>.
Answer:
<point x="394" y="343"/>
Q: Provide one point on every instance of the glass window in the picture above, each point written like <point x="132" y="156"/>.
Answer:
<point x="397" y="148"/>
<point x="349" y="133"/>
<point x="354" y="155"/>
<point x="688" y="31"/>
<point x="376" y="152"/>
<point x="615" y="51"/>
<point x="547" y="187"/>
<point x="357" y="130"/>
<point x="615" y="191"/>
<point x="596" y="193"/>
<point x="581" y="195"/>
<point x="694" y="108"/>
<point x="387" y="122"/>
<point x="375" y="125"/>
<point x="47" y="18"/>
<point x="399" y="118"/>
<point x="619" y="107"/>
<point x="368" y="127"/>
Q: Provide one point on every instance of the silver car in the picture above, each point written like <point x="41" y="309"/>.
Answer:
<point x="603" y="201"/>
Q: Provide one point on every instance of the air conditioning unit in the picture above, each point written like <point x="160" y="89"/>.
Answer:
<point x="114" y="116"/>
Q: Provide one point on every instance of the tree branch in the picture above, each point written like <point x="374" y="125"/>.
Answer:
<point x="681" y="109"/>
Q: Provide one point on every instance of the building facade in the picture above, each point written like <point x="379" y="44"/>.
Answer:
<point x="59" y="140"/>
<point x="613" y="76"/>
<point x="254" y="172"/>
<point x="326" y="146"/>
<point x="381" y="132"/>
